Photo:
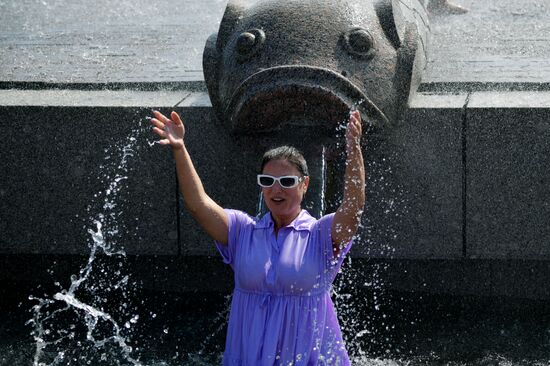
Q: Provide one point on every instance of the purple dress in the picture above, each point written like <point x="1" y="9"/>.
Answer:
<point x="281" y="310"/>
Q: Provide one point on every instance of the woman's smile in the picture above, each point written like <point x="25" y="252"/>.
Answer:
<point x="284" y="203"/>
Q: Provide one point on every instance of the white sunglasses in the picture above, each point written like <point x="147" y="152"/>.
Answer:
<point x="286" y="181"/>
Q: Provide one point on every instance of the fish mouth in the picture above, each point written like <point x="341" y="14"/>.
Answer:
<point x="298" y="95"/>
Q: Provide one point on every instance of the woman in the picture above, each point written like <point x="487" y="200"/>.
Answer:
<point x="285" y="262"/>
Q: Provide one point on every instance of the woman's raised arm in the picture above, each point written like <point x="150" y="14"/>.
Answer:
<point x="348" y="216"/>
<point x="208" y="213"/>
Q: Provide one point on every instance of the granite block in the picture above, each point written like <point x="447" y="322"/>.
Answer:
<point x="508" y="190"/>
<point x="63" y="167"/>
<point x="414" y="188"/>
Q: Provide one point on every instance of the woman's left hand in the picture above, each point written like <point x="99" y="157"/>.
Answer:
<point x="348" y="216"/>
<point x="353" y="131"/>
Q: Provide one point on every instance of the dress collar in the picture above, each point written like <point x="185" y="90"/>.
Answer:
<point x="302" y="222"/>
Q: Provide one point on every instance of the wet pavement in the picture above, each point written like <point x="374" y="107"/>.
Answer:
<point x="497" y="41"/>
<point x="54" y="41"/>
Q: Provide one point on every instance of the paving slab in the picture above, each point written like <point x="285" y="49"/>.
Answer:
<point x="57" y="41"/>
<point x="54" y="41"/>
<point x="495" y="42"/>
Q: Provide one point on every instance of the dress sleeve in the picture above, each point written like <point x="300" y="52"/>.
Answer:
<point x="236" y="219"/>
<point x="332" y="263"/>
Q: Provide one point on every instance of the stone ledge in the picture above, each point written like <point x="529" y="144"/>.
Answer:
<point x="511" y="99"/>
<point x="435" y="101"/>
<point x="186" y="98"/>
<point x="482" y="99"/>
<point x="103" y="98"/>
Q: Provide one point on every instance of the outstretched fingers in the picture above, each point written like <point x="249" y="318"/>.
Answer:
<point x="161" y="117"/>
<point x="159" y="124"/>
<point x="155" y="122"/>
<point x="171" y="131"/>
<point x="176" y="118"/>
<point x="159" y="132"/>
<point x="162" y="134"/>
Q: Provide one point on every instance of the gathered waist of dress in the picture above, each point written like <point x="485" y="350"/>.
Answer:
<point x="315" y="293"/>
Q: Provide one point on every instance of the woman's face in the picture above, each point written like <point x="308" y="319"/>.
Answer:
<point x="284" y="202"/>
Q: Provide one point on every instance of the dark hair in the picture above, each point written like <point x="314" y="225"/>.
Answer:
<point x="288" y="153"/>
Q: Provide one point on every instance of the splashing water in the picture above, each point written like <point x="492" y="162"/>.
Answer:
<point x="360" y="292"/>
<point x="80" y="325"/>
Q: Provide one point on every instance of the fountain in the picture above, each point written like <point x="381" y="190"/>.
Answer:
<point x="457" y="105"/>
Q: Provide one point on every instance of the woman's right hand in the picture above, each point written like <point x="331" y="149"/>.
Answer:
<point x="170" y="130"/>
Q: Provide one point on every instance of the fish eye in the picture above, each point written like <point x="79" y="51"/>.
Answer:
<point x="249" y="43"/>
<point x="359" y="42"/>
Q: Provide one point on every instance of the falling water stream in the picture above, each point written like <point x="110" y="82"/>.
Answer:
<point x="78" y="316"/>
